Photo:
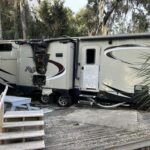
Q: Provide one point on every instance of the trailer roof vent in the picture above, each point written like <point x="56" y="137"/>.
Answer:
<point x="4" y="47"/>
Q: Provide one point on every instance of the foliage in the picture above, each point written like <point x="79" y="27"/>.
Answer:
<point x="11" y="18"/>
<point x="81" y="18"/>
<point x="72" y="24"/>
<point x="142" y="99"/>
<point x="53" y="19"/>
<point x="115" y="16"/>
<point x="6" y="12"/>
<point x="56" y="19"/>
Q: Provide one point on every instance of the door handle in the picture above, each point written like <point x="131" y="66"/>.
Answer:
<point x="82" y="68"/>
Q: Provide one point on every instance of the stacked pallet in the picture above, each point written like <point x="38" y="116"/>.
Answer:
<point x="21" y="130"/>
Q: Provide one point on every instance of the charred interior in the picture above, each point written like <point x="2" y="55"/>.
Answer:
<point x="40" y="56"/>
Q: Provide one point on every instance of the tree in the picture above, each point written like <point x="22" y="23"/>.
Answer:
<point x="132" y="17"/>
<point x="6" y="16"/>
<point x="16" y="19"/>
<point x="1" y="36"/>
<point x="101" y="17"/>
<point x="3" y="12"/>
<point x="54" y="18"/>
<point x="97" y="14"/>
<point x="23" y="4"/>
<point x="20" y="18"/>
<point x="13" y="18"/>
<point x="84" y="22"/>
<point x="72" y="27"/>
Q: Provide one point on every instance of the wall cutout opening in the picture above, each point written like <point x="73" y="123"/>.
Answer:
<point x="5" y="47"/>
<point x="90" y="56"/>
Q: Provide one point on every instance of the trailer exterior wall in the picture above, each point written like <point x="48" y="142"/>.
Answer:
<point x="117" y="72"/>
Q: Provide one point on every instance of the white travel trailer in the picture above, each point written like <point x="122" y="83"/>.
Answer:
<point x="98" y="69"/>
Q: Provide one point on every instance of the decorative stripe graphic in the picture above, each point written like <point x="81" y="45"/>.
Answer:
<point x="3" y="79"/>
<point x="61" y="70"/>
<point x="55" y="77"/>
<point x="120" y="91"/>
<point x="109" y="51"/>
<point x="6" y="72"/>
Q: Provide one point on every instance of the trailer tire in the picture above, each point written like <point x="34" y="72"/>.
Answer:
<point x="45" y="99"/>
<point x="64" y="101"/>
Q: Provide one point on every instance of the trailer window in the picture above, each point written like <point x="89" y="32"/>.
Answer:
<point x="5" y="47"/>
<point x="59" y="54"/>
<point x="90" y="56"/>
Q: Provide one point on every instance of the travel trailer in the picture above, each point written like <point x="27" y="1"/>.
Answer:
<point x="98" y="70"/>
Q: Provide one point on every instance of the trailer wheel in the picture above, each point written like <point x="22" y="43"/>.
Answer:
<point x="64" y="101"/>
<point x="45" y="99"/>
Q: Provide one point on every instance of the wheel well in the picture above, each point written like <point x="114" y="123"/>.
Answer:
<point x="74" y="93"/>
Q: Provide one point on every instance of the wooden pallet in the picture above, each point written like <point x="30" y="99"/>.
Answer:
<point x="24" y="146"/>
<point x="23" y="124"/>
<point x="23" y="114"/>
<point x="22" y="130"/>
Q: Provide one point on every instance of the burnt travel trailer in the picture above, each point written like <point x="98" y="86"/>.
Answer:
<point x="96" y="70"/>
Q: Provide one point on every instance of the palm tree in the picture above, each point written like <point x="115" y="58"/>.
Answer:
<point x="142" y="99"/>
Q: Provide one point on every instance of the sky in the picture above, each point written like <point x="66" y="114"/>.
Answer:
<point x="75" y="5"/>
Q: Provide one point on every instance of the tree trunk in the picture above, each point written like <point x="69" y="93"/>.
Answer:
<point x="104" y="29"/>
<point x="23" y="18"/>
<point x="1" y="30"/>
<point x="101" y="6"/>
<point x="16" y="19"/>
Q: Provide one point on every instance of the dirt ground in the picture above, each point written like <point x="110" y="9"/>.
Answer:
<point x="86" y="128"/>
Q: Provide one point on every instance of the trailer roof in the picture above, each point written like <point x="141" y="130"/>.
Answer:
<point x="116" y="37"/>
<point x="90" y="38"/>
<point x="107" y="37"/>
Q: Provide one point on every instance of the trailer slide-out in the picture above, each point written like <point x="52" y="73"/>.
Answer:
<point x="97" y="69"/>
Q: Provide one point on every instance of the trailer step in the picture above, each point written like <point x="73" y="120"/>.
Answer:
<point x="85" y="102"/>
<point x="87" y="96"/>
<point x="24" y="146"/>
<point x="21" y="135"/>
<point x="18" y="124"/>
<point x="23" y="114"/>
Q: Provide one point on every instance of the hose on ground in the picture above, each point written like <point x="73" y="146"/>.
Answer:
<point x="107" y="107"/>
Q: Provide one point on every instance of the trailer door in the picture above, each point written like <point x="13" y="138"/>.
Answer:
<point x="90" y="68"/>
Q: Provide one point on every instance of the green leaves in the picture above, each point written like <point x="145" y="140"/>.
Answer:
<point x="55" y="17"/>
<point x="52" y="19"/>
<point x="142" y="99"/>
<point x="114" y="17"/>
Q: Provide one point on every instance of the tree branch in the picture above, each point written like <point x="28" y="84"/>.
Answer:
<point x="108" y="14"/>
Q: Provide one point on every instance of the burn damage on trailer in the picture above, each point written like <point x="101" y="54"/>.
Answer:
<point x="64" y="97"/>
<point x="40" y="57"/>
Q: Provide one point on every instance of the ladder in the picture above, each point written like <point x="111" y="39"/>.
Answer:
<point x="21" y="130"/>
